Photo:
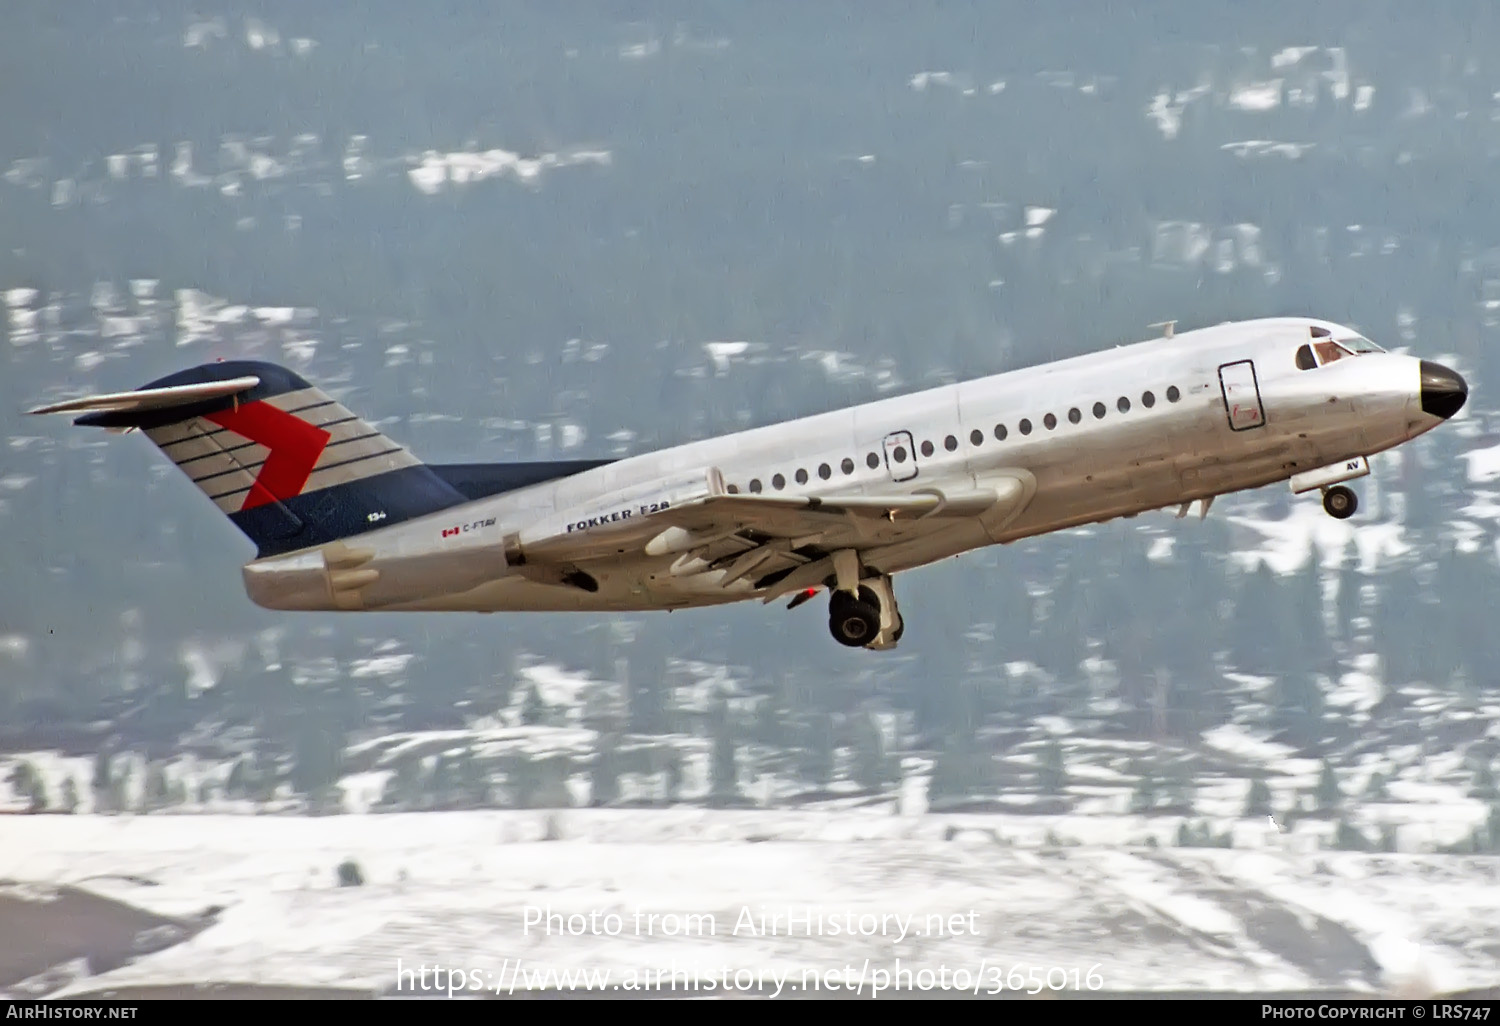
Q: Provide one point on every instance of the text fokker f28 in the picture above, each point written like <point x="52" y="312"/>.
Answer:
<point x="345" y="518"/>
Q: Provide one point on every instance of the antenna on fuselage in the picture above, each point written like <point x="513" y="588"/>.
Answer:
<point x="1167" y="327"/>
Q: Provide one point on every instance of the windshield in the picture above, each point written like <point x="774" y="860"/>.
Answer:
<point x="1322" y="353"/>
<point x="1361" y="344"/>
<point x="1330" y="351"/>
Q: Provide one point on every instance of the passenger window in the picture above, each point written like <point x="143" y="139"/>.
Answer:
<point x="1050" y="421"/>
<point x="976" y="437"/>
<point x="950" y="443"/>
<point x="733" y="489"/>
<point x="847" y="466"/>
<point x="755" y="485"/>
<point x="1123" y="405"/>
<point x="1025" y="426"/>
<point x="1000" y="432"/>
<point x="1074" y="416"/>
<point x="1173" y="395"/>
<point x="872" y="461"/>
<point x="1099" y="411"/>
<point x="1305" y="359"/>
<point x="1148" y="400"/>
<point x="899" y="454"/>
<point x="778" y="482"/>
<point x="926" y="448"/>
<point x="801" y="476"/>
<point x="825" y="472"/>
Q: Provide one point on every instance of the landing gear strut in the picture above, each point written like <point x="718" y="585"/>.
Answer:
<point x="1340" y="502"/>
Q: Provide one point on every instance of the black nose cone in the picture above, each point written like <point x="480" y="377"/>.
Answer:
<point x="1443" y="391"/>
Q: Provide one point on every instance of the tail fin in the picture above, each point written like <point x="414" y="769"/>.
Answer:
<point x="289" y="465"/>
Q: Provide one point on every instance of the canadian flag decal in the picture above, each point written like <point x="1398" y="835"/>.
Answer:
<point x="295" y="447"/>
<point x="448" y="532"/>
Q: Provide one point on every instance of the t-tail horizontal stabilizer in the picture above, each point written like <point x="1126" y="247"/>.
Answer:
<point x="151" y="398"/>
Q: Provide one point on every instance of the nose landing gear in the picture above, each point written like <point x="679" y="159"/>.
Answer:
<point x="1340" y="502"/>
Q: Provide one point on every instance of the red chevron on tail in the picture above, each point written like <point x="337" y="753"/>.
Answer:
<point x="295" y="447"/>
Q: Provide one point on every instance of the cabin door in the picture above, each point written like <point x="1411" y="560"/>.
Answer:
<point x="1241" y="396"/>
<point x="900" y="456"/>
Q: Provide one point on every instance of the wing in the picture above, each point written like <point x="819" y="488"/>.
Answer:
<point x="780" y="543"/>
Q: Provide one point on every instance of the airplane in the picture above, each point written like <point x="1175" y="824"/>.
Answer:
<point x="345" y="518"/>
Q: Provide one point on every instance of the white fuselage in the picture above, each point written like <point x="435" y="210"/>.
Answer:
<point x="1104" y="435"/>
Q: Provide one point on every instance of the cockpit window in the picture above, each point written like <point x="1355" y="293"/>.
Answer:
<point x="1325" y="351"/>
<point x="1329" y="352"/>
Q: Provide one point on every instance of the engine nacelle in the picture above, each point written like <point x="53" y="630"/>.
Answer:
<point x="341" y="576"/>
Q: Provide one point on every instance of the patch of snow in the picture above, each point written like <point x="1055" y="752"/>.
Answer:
<point x="389" y="665"/>
<point x="1166" y="114"/>
<point x="434" y="171"/>
<point x="922" y="79"/>
<point x="1257" y="96"/>
<point x="199" y="33"/>
<point x="1266" y="147"/>
<point x="1308" y="532"/>
<point x="1357" y="690"/>
<point x="557" y="686"/>
<point x="1235" y="740"/>
<point x="721" y="353"/>
<point x="1290" y="55"/>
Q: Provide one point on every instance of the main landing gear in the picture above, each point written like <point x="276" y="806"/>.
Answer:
<point x="854" y="620"/>
<point x="1340" y="502"/>
<point x="862" y="613"/>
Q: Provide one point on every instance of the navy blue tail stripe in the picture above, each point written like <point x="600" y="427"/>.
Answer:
<point x="343" y="511"/>
<point x="480" y="480"/>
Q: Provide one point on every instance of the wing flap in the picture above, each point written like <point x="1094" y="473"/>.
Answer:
<point x="816" y="517"/>
<point x="151" y="398"/>
<point x="706" y="518"/>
